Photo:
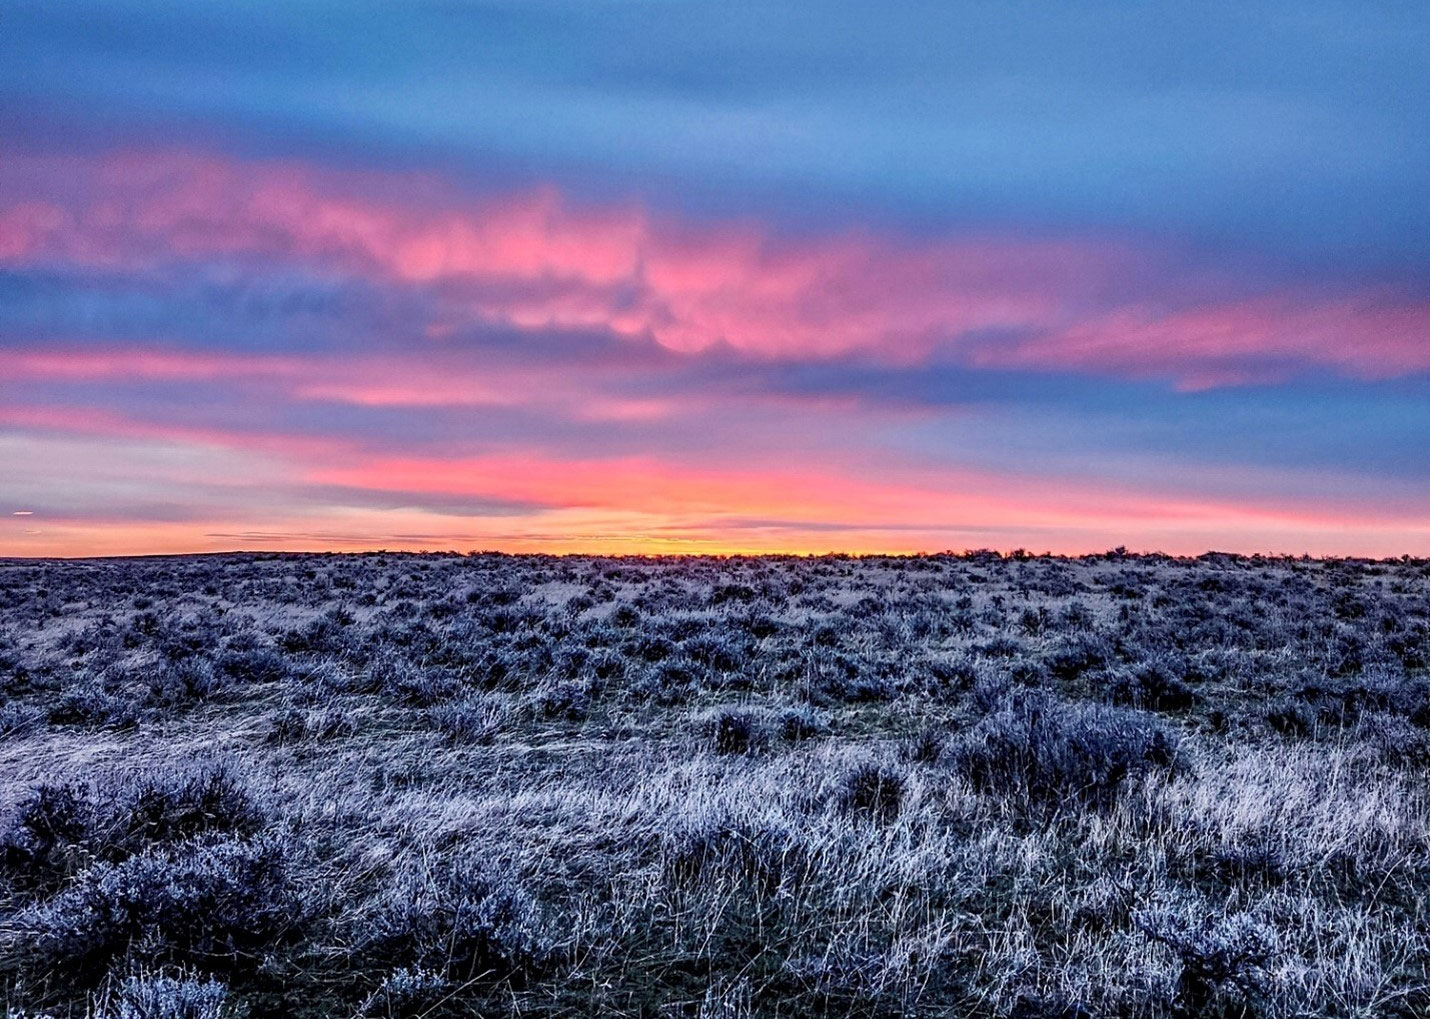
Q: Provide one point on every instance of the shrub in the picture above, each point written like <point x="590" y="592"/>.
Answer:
<point x="948" y="677"/>
<point x="872" y="790"/>
<point x="289" y="725"/>
<point x="627" y="617"/>
<point x="18" y="719"/>
<point x="926" y="746"/>
<point x="214" y="902"/>
<point x="473" y="720"/>
<point x="46" y="841"/>
<point x="564" y="700"/>
<point x="62" y="828"/>
<point x="158" y="996"/>
<point x="1218" y="955"/>
<point x="178" y="806"/>
<point x="1073" y="655"/>
<point x="736" y="731"/>
<point x="801" y="723"/>
<point x="90" y="704"/>
<point x="178" y="684"/>
<point x="409" y="990"/>
<point x="765" y="856"/>
<point x="461" y="921"/>
<point x="1153" y="685"/>
<point x="1041" y="753"/>
<point x="415" y="685"/>
<point x="252" y="665"/>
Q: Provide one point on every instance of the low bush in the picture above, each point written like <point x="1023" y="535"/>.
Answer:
<point x="163" y="996"/>
<point x="408" y="990"/>
<point x="215" y="902"/>
<point x="1226" y="956"/>
<point x="461" y="921"/>
<point x="873" y="790"/>
<point x="1152" y="685"/>
<point x="1047" y="754"/>
<point x="47" y="840"/>
<point x="474" y="720"/>
<point x="801" y="723"/>
<point x="89" y="704"/>
<point x="61" y="828"/>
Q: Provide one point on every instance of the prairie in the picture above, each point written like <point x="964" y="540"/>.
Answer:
<point x="486" y="785"/>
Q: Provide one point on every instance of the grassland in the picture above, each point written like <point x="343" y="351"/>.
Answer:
<point x="445" y="785"/>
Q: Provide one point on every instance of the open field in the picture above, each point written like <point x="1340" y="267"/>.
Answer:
<point x="443" y="785"/>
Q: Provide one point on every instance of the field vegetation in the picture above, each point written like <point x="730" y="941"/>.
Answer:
<point x="448" y="785"/>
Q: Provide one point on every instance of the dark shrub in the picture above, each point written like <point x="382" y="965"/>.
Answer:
<point x="567" y="700"/>
<point x="926" y="747"/>
<point x="720" y="652"/>
<point x="760" y="626"/>
<point x="175" y="807"/>
<point x="950" y="676"/>
<point x="213" y="902"/>
<point x="1290" y="717"/>
<point x="580" y="604"/>
<point x="652" y="648"/>
<point x="626" y="617"/>
<point x="252" y="665"/>
<point x="15" y="678"/>
<point x="415" y="685"/>
<point x="474" y="720"/>
<point x="872" y="790"/>
<point x="1219" y="956"/>
<point x="324" y="635"/>
<point x="61" y="829"/>
<point x="722" y="593"/>
<point x="767" y="858"/>
<point x="1043" y="753"/>
<point x="736" y="731"/>
<point x="801" y="723"/>
<point x="19" y="719"/>
<point x="1254" y="862"/>
<point x="1073" y="655"/>
<point x="1152" y="685"/>
<point x="47" y="840"/>
<point x="161" y="996"/>
<point x="90" y="704"/>
<point x="177" y="684"/>
<point x="1034" y="621"/>
<point x="1027" y="671"/>
<point x="288" y="726"/>
<point x="462" y="921"/>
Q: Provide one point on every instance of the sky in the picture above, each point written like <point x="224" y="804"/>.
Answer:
<point x="682" y="276"/>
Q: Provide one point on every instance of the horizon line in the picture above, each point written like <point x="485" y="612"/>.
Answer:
<point x="1013" y="555"/>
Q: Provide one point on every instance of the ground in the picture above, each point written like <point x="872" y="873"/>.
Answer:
<point x="975" y="785"/>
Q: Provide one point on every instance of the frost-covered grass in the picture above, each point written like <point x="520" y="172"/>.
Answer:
<point x="441" y="785"/>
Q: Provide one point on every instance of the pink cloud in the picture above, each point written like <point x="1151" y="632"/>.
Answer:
<point x="534" y="259"/>
<point x="439" y="379"/>
<point x="1368" y="336"/>
<point x="83" y="363"/>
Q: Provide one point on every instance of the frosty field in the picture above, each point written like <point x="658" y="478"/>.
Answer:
<point x="485" y="785"/>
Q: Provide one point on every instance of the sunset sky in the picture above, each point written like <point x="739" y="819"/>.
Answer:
<point x="663" y="276"/>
